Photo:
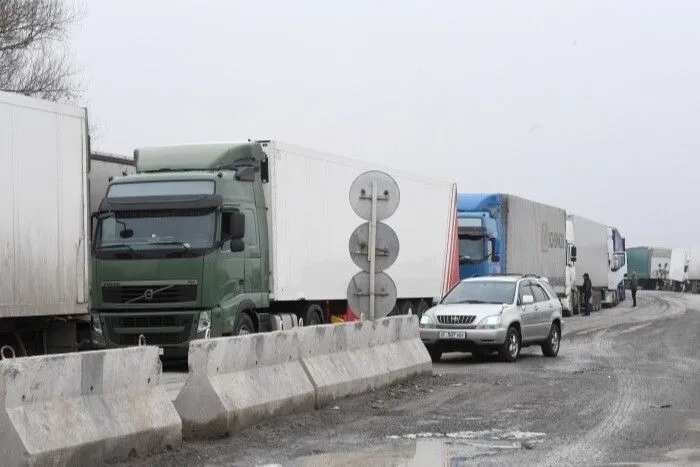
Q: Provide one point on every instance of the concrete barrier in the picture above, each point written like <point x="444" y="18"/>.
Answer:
<point x="348" y="359"/>
<point x="85" y="408"/>
<point x="237" y="381"/>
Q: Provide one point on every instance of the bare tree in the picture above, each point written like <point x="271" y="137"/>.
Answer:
<point x="33" y="49"/>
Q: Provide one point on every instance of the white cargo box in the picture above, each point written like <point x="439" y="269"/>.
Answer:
<point x="536" y="240"/>
<point x="591" y="250"/>
<point x="311" y="222"/>
<point x="43" y="207"/>
<point x="679" y="262"/>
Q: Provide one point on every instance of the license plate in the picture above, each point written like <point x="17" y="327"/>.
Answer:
<point x="453" y="335"/>
<point x="160" y="350"/>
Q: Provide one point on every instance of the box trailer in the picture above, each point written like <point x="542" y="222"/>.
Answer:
<point x="651" y="265"/>
<point x="505" y="234"/>
<point x="230" y="238"/>
<point x="678" y="270"/>
<point x="694" y="269"/>
<point x="44" y="207"/>
<point x="590" y="240"/>
<point x="103" y="167"/>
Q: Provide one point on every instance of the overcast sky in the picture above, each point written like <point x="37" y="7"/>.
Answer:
<point x="588" y="105"/>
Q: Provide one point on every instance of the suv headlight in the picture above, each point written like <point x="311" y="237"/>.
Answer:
<point x="204" y="321"/>
<point x="427" y="320"/>
<point x="490" y="322"/>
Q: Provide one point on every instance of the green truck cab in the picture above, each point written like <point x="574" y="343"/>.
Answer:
<point x="172" y="259"/>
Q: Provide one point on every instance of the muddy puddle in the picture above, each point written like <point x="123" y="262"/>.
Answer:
<point x="423" y="449"/>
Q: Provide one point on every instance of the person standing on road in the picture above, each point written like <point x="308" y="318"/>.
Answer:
<point x="633" y="288"/>
<point x="587" y="291"/>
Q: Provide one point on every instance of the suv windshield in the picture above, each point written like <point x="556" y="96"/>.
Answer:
<point x="190" y="229"/>
<point x="481" y="291"/>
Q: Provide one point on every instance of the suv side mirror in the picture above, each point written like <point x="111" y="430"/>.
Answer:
<point x="528" y="299"/>
<point x="237" y="225"/>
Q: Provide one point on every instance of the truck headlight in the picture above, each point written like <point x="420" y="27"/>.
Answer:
<point x="427" y="320"/>
<point x="490" y="322"/>
<point x="204" y="321"/>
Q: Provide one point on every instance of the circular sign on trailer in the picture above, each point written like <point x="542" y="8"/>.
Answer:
<point x="385" y="294"/>
<point x="386" y="247"/>
<point x="388" y="195"/>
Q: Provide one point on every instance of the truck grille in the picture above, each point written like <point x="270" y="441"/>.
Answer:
<point x="124" y="330"/>
<point x="152" y="321"/>
<point x="456" y="319"/>
<point x="143" y="294"/>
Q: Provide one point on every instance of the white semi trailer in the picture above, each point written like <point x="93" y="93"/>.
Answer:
<point x="45" y="198"/>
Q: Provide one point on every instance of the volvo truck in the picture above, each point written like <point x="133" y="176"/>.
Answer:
<point x="224" y="239"/>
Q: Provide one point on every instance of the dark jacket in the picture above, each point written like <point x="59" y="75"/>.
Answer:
<point x="633" y="284"/>
<point x="587" y="288"/>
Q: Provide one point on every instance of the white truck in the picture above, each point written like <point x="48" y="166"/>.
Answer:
<point x="45" y="206"/>
<point x="588" y="253"/>
<point x="617" y="273"/>
<point x="694" y="269"/>
<point x="678" y="270"/>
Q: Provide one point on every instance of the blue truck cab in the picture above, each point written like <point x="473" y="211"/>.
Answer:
<point x="481" y="232"/>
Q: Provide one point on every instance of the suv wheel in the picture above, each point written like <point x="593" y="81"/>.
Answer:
<point x="550" y="348"/>
<point x="510" y="350"/>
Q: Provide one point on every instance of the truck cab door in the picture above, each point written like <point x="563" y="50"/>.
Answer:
<point x="253" y="265"/>
<point x="230" y="275"/>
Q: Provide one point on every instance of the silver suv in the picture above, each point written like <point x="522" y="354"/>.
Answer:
<point x="489" y="314"/>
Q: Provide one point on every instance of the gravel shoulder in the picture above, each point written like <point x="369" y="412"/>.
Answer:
<point x="624" y="388"/>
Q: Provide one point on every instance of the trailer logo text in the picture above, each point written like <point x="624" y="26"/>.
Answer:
<point x="551" y="240"/>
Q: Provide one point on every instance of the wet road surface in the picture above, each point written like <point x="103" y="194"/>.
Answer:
<point x="625" y="390"/>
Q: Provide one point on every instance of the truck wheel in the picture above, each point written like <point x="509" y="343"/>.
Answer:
<point x="313" y="315"/>
<point x="244" y="325"/>
<point x="405" y="306"/>
<point x="435" y="354"/>
<point x="550" y="348"/>
<point x="421" y="308"/>
<point x="510" y="349"/>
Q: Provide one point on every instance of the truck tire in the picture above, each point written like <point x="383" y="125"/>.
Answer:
<point x="244" y="325"/>
<point x="550" y="347"/>
<point x="405" y="306"/>
<point x="313" y="315"/>
<point x="510" y="349"/>
<point x="421" y="308"/>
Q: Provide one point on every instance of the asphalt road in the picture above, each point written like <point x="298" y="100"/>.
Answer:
<point x="625" y="389"/>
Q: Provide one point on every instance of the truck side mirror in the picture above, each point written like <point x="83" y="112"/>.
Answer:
<point x="495" y="258"/>
<point x="237" y="225"/>
<point x="573" y="254"/>
<point x="237" y="245"/>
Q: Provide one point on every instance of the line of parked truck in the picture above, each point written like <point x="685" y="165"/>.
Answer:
<point x="180" y="242"/>
<point x="676" y="269"/>
<point x="505" y="234"/>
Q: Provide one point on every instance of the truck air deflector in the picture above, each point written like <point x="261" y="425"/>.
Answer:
<point x="149" y="203"/>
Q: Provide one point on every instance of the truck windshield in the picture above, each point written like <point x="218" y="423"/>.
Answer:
<point x="158" y="230"/>
<point x="471" y="248"/>
<point x="481" y="291"/>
